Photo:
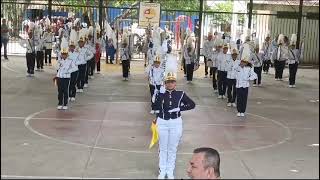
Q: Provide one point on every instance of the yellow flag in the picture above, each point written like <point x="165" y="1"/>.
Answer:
<point x="155" y="134"/>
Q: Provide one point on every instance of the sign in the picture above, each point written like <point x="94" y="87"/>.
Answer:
<point x="149" y="13"/>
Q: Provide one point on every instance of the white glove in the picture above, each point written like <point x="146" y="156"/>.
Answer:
<point x="174" y="110"/>
<point x="162" y="89"/>
<point x="155" y="91"/>
<point x="153" y="99"/>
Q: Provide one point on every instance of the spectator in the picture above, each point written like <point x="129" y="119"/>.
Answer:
<point x="4" y="37"/>
<point x="205" y="164"/>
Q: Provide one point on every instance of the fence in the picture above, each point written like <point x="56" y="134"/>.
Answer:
<point x="261" y="23"/>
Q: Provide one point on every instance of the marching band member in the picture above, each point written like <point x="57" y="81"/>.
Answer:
<point x="244" y="73"/>
<point x="247" y="42"/>
<point x="190" y="57"/>
<point x="29" y="44"/>
<point x="280" y="56"/>
<point x="222" y="71"/>
<point x="124" y="57"/>
<point x="168" y="105"/>
<point x="155" y="80"/>
<point x="207" y="51"/>
<point x="293" y="61"/>
<point x="85" y="55"/>
<point x="267" y="50"/>
<point x="91" y="63"/>
<point x="48" y="39"/>
<point x="74" y="56"/>
<point x="99" y="45"/>
<point x="231" y="77"/>
<point x="39" y="47"/>
<point x="218" y="43"/>
<point x="257" y="61"/>
<point x="65" y="67"/>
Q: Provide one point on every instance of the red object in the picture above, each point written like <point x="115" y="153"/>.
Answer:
<point x="98" y="52"/>
<point x="180" y="19"/>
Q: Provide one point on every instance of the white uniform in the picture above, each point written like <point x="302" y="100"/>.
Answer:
<point x="29" y="44"/>
<point x="74" y="56"/>
<point x="85" y="55"/>
<point x="231" y="68"/>
<point x="156" y="76"/>
<point x="256" y="59"/>
<point x="208" y="48"/>
<point x="65" y="68"/>
<point x="244" y="75"/>
<point x="221" y="59"/>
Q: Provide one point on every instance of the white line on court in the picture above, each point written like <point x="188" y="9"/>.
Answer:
<point x="288" y="134"/>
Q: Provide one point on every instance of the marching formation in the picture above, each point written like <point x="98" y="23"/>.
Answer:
<point x="78" y="50"/>
<point x="230" y="66"/>
<point x="236" y="69"/>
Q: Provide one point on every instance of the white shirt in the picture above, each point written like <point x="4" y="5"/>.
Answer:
<point x="283" y="53"/>
<point x="293" y="56"/>
<point x="124" y="54"/>
<point x="74" y="56"/>
<point x="208" y="48"/>
<point x="244" y="75"/>
<point x="213" y="56"/>
<point x="65" y="68"/>
<point x="156" y="75"/>
<point x="256" y="59"/>
<point x="231" y="68"/>
<point x="29" y="44"/>
<point x="221" y="59"/>
<point x="85" y="55"/>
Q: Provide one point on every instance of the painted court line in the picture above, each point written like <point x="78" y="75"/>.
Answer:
<point x="48" y="177"/>
<point x="285" y="139"/>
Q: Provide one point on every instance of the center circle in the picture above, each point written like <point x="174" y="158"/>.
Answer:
<point x="125" y="126"/>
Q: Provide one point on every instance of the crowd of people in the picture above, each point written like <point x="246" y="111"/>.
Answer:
<point x="78" y="50"/>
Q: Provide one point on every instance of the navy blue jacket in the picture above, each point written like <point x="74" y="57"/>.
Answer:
<point x="170" y="100"/>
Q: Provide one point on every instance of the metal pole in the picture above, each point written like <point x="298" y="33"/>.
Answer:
<point x="50" y="9"/>
<point x="200" y="28"/>
<point x="100" y="13"/>
<point x="250" y="13"/>
<point x="299" y="24"/>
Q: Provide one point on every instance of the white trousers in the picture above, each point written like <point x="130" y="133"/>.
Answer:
<point x="170" y="132"/>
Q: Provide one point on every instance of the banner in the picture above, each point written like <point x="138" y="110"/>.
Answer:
<point x="149" y="13"/>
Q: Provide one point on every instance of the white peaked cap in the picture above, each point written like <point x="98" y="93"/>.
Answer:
<point x="281" y="39"/>
<point x="293" y="40"/>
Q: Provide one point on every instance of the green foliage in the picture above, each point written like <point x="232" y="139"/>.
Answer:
<point x="223" y="7"/>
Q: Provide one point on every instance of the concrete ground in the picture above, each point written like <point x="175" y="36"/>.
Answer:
<point x="105" y="133"/>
